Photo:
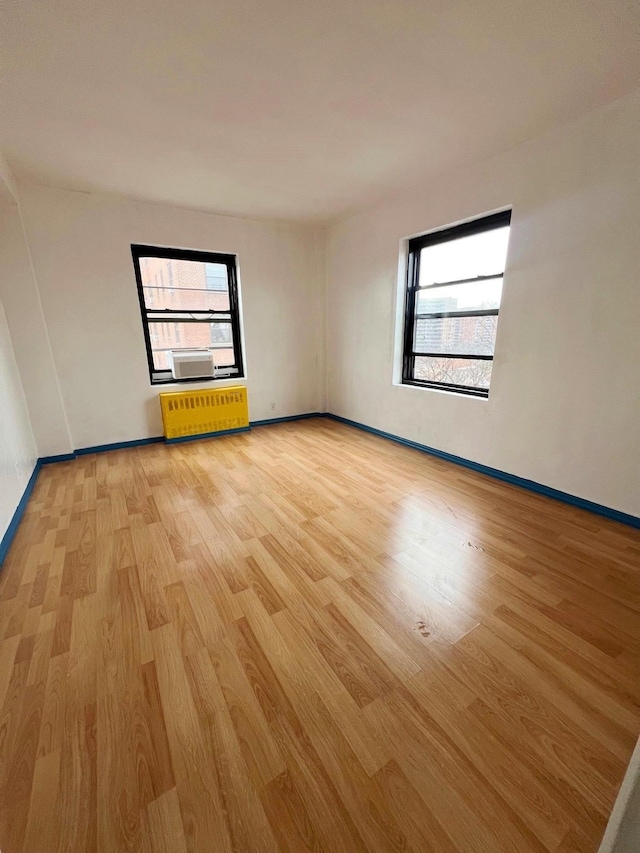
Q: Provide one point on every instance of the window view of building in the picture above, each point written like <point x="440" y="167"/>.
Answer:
<point x="188" y="301"/>
<point x="454" y="288"/>
<point x="216" y="278"/>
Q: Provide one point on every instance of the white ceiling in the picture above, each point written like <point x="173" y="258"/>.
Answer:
<point x="299" y="109"/>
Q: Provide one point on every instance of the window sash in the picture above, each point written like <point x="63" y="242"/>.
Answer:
<point x="163" y="315"/>
<point x="470" y="390"/>
<point x="468" y="355"/>
<point x="477" y="278"/>
<point x="181" y="289"/>
<point x="234" y="368"/>
<point x="440" y="315"/>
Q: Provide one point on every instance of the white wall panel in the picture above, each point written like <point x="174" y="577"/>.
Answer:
<point x="17" y="446"/>
<point x="19" y="293"/>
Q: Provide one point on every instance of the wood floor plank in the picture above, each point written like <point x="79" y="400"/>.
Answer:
<point x="41" y="829"/>
<point x="248" y="825"/>
<point x="371" y="813"/>
<point x="76" y="805"/>
<point x="371" y="751"/>
<point x="8" y="650"/>
<point x="53" y="714"/>
<point x="201" y="806"/>
<point x="513" y="781"/>
<point x="166" y="832"/>
<point x="419" y="825"/>
<point x="382" y="643"/>
<point x="306" y="637"/>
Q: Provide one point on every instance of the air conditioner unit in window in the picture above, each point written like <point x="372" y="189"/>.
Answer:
<point x="191" y="364"/>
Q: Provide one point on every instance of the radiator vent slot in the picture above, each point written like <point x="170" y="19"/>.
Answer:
<point x="186" y="413"/>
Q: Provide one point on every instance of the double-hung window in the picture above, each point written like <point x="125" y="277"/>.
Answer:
<point x="454" y="286"/>
<point x="189" y="300"/>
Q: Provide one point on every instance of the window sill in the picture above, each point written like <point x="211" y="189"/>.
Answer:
<point x="466" y="395"/>
<point x="170" y="380"/>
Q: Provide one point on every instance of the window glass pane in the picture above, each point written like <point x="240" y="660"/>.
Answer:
<point x="224" y="356"/>
<point x="454" y="371"/>
<point x="220" y="334"/>
<point x="466" y="257"/>
<point x="176" y="284"/>
<point x="473" y="296"/>
<point x="214" y="336"/>
<point x="470" y="335"/>
<point x="216" y="276"/>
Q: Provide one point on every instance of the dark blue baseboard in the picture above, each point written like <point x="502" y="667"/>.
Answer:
<point x="99" y="448"/>
<point x="138" y="442"/>
<point x="530" y="485"/>
<point x="10" y="532"/>
<point x="118" y="445"/>
<point x="269" y="421"/>
<point x="202" y="435"/>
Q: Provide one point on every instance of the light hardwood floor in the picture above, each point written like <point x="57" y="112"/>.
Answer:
<point x="310" y="638"/>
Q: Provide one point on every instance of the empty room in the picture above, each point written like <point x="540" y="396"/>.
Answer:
<point x="320" y="426"/>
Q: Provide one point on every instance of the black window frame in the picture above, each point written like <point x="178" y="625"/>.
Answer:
<point x="412" y="288"/>
<point x="170" y="315"/>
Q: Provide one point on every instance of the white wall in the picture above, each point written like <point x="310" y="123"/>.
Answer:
<point x="80" y="245"/>
<point x="18" y="452"/>
<point x="19" y="293"/>
<point x="564" y="404"/>
<point x="17" y="445"/>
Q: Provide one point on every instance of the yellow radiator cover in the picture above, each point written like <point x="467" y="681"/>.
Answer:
<point x="186" y="413"/>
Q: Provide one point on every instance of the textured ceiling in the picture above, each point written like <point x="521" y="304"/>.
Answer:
<point x="295" y="109"/>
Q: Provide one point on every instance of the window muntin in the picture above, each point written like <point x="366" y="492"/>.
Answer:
<point x="188" y="300"/>
<point x="185" y="298"/>
<point x="454" y="288"/>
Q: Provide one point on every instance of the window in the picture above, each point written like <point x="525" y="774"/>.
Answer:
<point x="454" y="285"/>
<point x="189" y="313"/>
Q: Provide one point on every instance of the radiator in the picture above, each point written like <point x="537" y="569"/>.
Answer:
<point x="187" y="413"/>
